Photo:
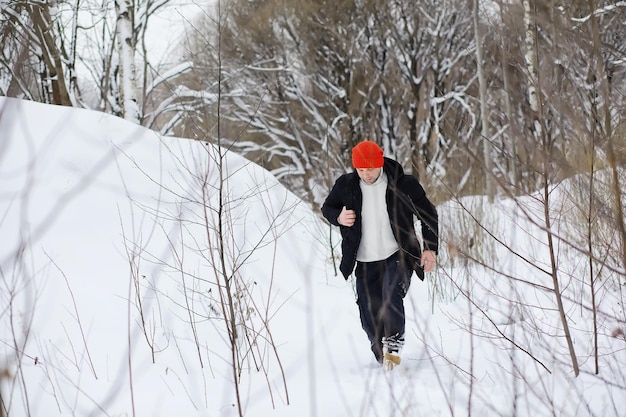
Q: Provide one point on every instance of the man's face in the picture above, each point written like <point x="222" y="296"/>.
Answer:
<point x="369" y="175"/>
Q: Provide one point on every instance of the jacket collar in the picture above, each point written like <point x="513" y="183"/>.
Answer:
<point x="393" y="170"/>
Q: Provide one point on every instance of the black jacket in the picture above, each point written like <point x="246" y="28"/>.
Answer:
<point x="405" y="197"/>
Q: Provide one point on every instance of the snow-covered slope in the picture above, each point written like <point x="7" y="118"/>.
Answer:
<point x="104" y="235"/>
<point x="109" y="257"/>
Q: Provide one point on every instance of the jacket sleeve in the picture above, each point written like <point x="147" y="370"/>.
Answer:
<point x="426" y="212"/>
<point x="333" y="204"/>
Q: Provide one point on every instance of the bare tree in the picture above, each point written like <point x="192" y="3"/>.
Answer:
<point x="213" y="218"/>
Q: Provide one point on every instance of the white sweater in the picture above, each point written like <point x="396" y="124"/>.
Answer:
<point x="377" y="240"/>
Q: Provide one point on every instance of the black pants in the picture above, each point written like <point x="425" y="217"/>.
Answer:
<point x="381" y="287"/>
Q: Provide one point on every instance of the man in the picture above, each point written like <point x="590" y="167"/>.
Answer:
<point x="374" y="208"/>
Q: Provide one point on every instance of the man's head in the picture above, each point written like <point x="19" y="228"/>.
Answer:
<point x="367" y="159"/>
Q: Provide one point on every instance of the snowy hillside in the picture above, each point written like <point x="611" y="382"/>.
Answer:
<point x="114" y="241"/>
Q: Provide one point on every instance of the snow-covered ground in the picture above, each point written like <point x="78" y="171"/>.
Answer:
<point x="109" y="304"/>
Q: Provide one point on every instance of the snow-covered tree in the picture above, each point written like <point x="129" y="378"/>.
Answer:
<point x="34" y="62"/>
<point x="310" y="81"/>
<point x="434" y="47"/>
<point x="83" y="53"/>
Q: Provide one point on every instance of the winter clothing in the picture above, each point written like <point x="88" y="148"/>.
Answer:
<point x="404" y="197"/>
<point x="367" y="155"/>
<point x="382" y="244"/>
<point x="380" y="288"/>
<point x="391" y="361"/>
<point x="377" y="239"/>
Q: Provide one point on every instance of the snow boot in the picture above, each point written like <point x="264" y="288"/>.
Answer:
<point x="391" y="360"/>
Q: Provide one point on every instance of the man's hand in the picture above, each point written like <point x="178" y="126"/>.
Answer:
<point x="346" y="217"/>
<point x="429" y="260"/>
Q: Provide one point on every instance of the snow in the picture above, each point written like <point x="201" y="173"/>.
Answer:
<point x="108" y="302"/>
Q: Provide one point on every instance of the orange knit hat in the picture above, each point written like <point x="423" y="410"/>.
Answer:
<point x="367" y="154"/>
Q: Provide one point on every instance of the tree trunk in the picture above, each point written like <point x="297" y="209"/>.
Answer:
<point x="126" y="49"/>
<point x="512" y="128"/>
<point x="484" y="114"/>
<point x="53" y="78"/>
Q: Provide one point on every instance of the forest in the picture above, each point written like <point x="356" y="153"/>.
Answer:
<point x="487" y="97"/>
